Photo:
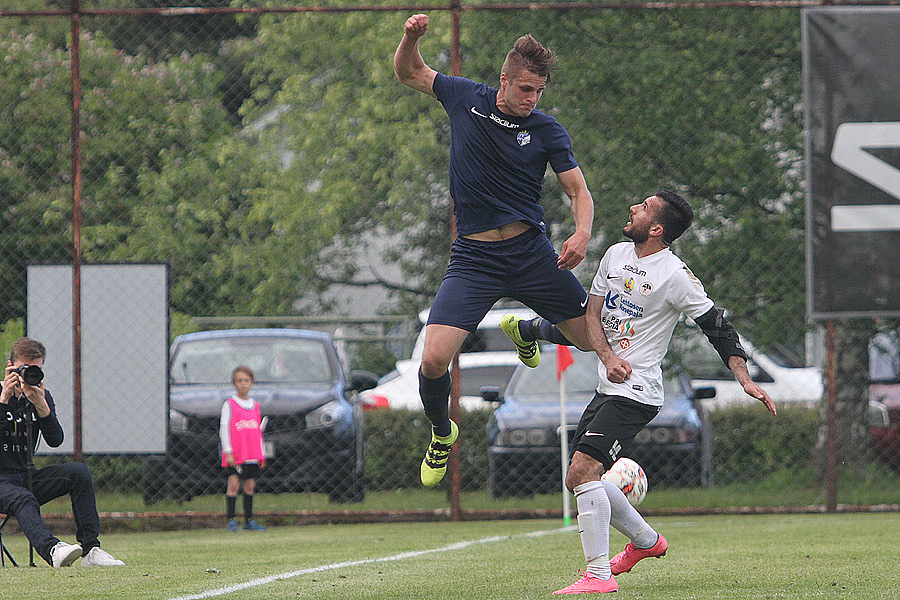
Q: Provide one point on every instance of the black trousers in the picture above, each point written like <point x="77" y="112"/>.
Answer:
<point x="48" y="484"/>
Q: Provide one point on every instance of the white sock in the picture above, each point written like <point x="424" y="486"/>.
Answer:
<point x="625" y="518"/>
<point x="593" y="525"/>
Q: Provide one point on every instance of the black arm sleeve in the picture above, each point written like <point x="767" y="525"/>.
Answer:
<point x="721" y="334"/>
<point x="49" y="426"/>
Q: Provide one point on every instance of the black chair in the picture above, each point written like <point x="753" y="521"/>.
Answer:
<point x="4" y="553"/>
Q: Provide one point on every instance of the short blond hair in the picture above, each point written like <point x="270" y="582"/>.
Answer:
<point x="528" y="54"/>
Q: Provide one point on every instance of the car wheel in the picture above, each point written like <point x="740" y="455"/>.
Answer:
<point x="498" y="484"/>
<point x="154" y="482"/>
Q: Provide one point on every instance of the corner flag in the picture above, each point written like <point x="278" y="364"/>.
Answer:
<point x="563" y="360"/>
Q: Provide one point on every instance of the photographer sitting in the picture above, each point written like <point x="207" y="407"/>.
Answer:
<point x="24" y="398"/>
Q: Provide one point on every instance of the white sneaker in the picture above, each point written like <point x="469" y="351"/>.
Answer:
<point x="63" y="554"/>
<point x="100" y="558"/>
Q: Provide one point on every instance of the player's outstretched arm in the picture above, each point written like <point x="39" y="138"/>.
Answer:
<point x="574" y="249"/>
<point x="738" y="366"/>
<point x="409" y="67"/>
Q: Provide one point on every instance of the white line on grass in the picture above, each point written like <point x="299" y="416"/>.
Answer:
<point x="366" y="561"/>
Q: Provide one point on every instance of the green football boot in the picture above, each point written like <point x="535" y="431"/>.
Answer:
<point x="529" y="352"/>
<point x="434" y="465"/>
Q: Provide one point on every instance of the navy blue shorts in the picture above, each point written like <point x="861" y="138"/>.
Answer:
<point x="522" y="268"/>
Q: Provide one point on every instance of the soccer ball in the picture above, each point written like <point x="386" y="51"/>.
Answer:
<point x="629" y="477"/>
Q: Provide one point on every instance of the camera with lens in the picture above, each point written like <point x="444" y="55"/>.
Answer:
<point x="30" y="374"/>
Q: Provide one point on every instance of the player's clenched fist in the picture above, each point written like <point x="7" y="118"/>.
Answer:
<point x="416" y="26"/>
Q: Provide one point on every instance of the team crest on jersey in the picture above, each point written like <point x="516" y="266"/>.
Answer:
<point x="646" y="288"/>
<point x="523" y="138"/>
<point x="629" y="284"/>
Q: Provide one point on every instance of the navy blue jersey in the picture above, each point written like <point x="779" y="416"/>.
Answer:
<point x="497" y="161"/>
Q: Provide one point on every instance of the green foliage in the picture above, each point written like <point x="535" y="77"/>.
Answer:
<point x="372" y="357"/>
<point x="263" y="160"/>
<point x="180" y="323"/>
<point x="9" y="333"/>
<point x="396" y="441"/>
<point x="750" y="445"/>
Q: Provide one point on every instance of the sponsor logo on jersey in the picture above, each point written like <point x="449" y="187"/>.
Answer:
<point x="614" y="301"/>
<point x="629" y="284"/>
<point x="501" y="122"/>
<point x="246" y="424"/>
<point x="611" y="300"/>
<point x="646" y="288"/>
<point x="635" y="270"/>
<point x="523" y="138"/>
<point x="624" y="344"/>
<point x="630" y="308"/>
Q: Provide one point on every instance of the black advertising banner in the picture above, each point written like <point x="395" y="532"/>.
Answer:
<point x="851" y="72"/>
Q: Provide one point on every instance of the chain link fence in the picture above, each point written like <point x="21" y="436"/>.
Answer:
<point x="288" y="180"/>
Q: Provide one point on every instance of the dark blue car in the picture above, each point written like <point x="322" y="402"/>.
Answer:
<point x="314" y="424"/>
<point x="523" y="431"/>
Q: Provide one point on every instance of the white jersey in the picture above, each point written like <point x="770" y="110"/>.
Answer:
<point x="642" y="300"/>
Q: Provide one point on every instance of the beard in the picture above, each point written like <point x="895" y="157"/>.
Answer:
<point x="638" y="236"/>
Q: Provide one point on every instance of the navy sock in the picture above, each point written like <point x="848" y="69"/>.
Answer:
<point x="542" y="329"/>
<point x="435" y="394"/>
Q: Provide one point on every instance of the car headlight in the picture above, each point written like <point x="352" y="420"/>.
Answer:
<point x="664" y="435"/>
<point x="178" y="422"/>
<point x="327" y="415"/>
<point x="525" y="437"/>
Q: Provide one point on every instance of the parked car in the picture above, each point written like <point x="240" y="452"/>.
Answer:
<point x="523" y="431"/>
<point x="884" y="397"/>
<point x="487" y="358"/>
<point x="314" y="433"/>
<point x="783" y="381"/>
<point x="488" y="337"/>
<point x="400" y="388"/>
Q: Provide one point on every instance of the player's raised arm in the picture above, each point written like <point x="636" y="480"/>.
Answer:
<point x="574" y="249"/>
<point x="409" y="67"/>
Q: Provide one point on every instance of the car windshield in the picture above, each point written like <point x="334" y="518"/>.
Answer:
<point x="539" y="385"/>
<point x="884" y="357"/>
<point x="294" y="360"/>
<point x="472" y="379"/>
<point x="486" y="340"/>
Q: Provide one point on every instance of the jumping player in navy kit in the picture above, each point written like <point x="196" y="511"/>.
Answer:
<point x="499" y="151"/>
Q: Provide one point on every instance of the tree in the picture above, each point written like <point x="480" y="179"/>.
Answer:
<point x="137" y="117"/>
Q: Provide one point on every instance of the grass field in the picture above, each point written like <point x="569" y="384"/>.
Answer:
<point x="747" y="557"/>
<point x="778" y="489"/>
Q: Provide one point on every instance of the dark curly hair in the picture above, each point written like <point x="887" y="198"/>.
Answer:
<point x="675" y="215"/>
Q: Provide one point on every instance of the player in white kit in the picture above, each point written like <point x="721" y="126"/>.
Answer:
<point x="636" y="298"/>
